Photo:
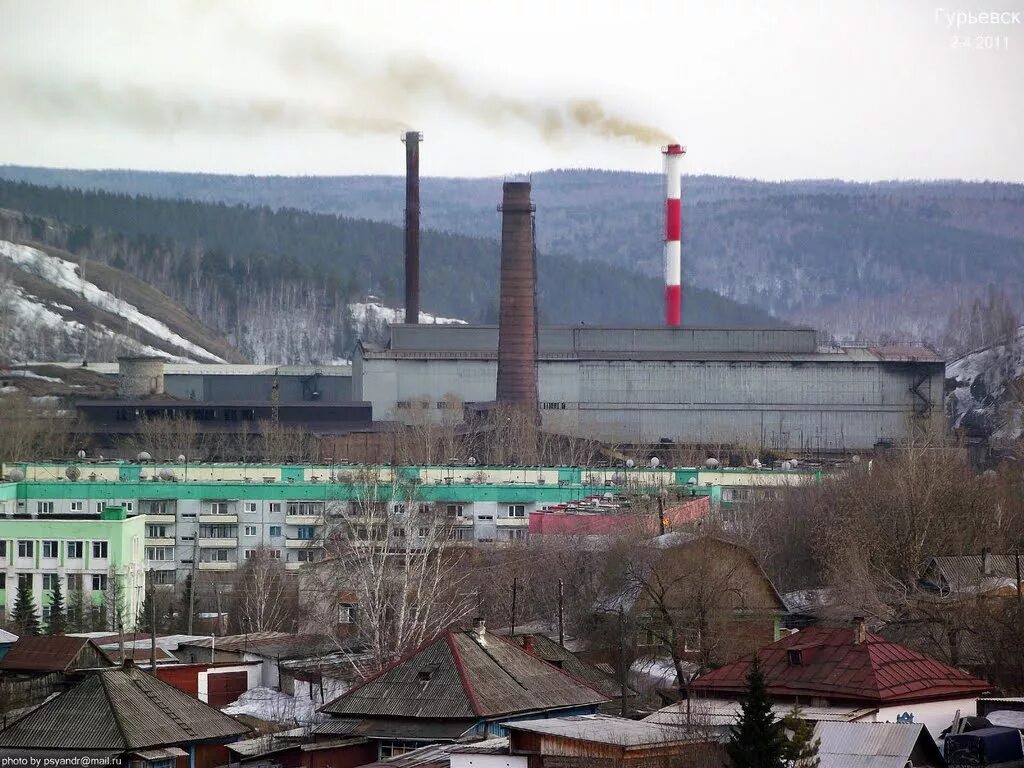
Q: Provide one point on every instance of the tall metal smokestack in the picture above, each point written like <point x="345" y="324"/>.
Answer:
<point x="412" y="226"/>
<point x="517" y="319"/>
<point x="673" y="231"/>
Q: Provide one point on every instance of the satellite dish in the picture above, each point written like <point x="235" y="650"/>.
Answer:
<point x="16" y="475"/>
<point x="472" y="461"/>
<point x="72" y="472"/>
<point x="855" y="458"/>
<point x="166" y="473"/>
<point x="655" y="461"/>
<point x="711" y="462"/>
<point x="181" y="458"/>
<point x="793" y="463"/>
<point x="630" y="463"/>
<point x="692" y="481"/>
<point x="756" y="463"/>
<point x="100" y="457"/>
<point x="81" y="455"/>
<point x="143" y="456"/>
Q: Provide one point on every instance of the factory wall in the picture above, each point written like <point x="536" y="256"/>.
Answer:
<point x="800" y="406"/>
<point x="332" y="389"/>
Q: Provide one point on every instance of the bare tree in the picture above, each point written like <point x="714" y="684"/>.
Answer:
<point x="265" y="597"/>
<point x="392" y="559"/>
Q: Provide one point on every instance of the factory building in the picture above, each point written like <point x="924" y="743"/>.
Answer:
<point x="772" y="388"/>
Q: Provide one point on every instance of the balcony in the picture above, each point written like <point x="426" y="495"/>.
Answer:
<point x="218" y="565"/>
<point x="303" y="543"/>
<point x="293" y="566"/>
<point x="159" y="518"/>
<point x="304" y="519"/>
<point x="224" y="519"/>
<point x="513" y="522"/>
<point x="218" y="543"/>
<point x="161" y="542"/>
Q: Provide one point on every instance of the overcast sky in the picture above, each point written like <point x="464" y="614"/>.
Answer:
<point x="778" y="90"/>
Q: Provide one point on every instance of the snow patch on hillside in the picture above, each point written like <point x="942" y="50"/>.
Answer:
<point x="982" y="395"/>
<point x="27" y="315"/>
<point x="366" y="314"/>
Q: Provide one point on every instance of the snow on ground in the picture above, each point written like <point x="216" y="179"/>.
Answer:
<point x="274" y="706"/>
<point x="22" y="374"/>
<point x="64" y="274"/>
<point x="980" y="379"/>
<point x="365" y="313"/>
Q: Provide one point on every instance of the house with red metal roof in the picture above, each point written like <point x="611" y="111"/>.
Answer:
<point x="831" y="666"/>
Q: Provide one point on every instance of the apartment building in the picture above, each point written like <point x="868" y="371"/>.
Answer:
<point x="100" y="558"/>
<point x="213" y="517"/>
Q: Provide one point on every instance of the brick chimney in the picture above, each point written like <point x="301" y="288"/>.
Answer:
<point x="859" y="630"/>
<point x="480" y="631"/>
<point x="528" y="643"/>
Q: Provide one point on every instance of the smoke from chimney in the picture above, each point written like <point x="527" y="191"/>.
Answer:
<point x="412" y="226"/>
<point x="673" y="234"/>
<point x="517" y="319"/>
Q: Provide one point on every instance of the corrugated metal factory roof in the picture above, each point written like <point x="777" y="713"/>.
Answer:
<point x="120" y="709"/>
<point x="221" y="369"/>
<point x="457" y="676"/>
<point x="605" y="729"/>
<point x="872" y="745"/>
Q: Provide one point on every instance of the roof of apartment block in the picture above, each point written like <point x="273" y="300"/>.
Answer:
<point x="121" y="708"/>
<point x="459" y="675"/>
<point x="827" y="662"/>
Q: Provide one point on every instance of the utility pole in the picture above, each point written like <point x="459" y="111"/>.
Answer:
<point x="152" y="623"/>
<point x="622" y="659"/>
<point x="515" y="589"/>
<point x="192" y="583"/>
<point x="661" y="515"/>
<point x="561" y="627"/>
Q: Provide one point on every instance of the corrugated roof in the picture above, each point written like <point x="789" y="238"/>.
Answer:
<point x="120" y="709"/>
<point x="605" y="729"/>
<point x="439" y="755"/>
<point x="46" y="653"/>
<point x="872" y="745"/>
<point x="965" y="572"/>
<point x="455" y="676"/>
<point x="396" y="728"/>
<point x="7" y="637"/>
<point x="872" y="672"/>
<point x="723" y="712"/>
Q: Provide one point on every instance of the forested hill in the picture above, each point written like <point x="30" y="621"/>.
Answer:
<point x="867" y="259"/>
<point x="241" y="268"/>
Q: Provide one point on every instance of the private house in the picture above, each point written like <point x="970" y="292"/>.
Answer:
<point x="52" y="653"/>
<point x="723" y="603"/>
<point x="969" y="576"/>
<point x="7" y="639"/>
<point x="458" y="683"/>
<point x="124" y="714"/>
<point x="848" y="666"/>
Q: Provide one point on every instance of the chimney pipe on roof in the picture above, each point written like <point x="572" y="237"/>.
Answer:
<point x="528" y="643"/>
<point x="479" y="630"/>
<point x="412" y="141"/>
<point x="517" y="319"/>
<point x="859" y="630"/>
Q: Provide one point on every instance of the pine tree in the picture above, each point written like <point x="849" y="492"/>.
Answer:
<point x="24" y="615"/>
<point x="58" y="623"/>
<point x="801" y="748"/>
<point x="142" y="617"/>
<point x="757" y="740"/>
<point x="76" y="615"/>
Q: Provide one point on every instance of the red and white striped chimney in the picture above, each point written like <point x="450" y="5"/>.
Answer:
<point x="673" y="230"/>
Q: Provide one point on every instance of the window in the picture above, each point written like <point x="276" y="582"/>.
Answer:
<point x="26" y="548"/>
<point x="397" y="747"/>
<point x="423" y="532"/>
<point x="691" y="639"/>
<point x="218" y="531"/>
<point x="485" y="517"/>
<point x="99" y="507"/>
<point x="213" y="556"/>
<point x="274" y="553"/>
<point x="156" y="531"/>
<point x="275" y="531"/>
<point x="305" y="532"/>
<point x="3" y="548"/>
<point x="248" y="554"/>
<point x="50" y="581"/>
<point x="47" y="612"/>
<point x="305" y="507"/>
<point x="76" y="506"/>
<point x="44" y="507"/>
<point x="51" y="549"/>
<point x="159" y="508"/>
<point x="162" y="578"/>
<point x="99" y="582"/>
<point x="250" y="530"/>
<point x="99" y="549"/>
<point x="3" y="581"/>
<point x="249" y="506"/>
<point x="218" y="507"/>
<point x="346" y="613"/>
<point x="25" y="581"/>
<point x="159" y="554"/>
<point x="74" y="582"/>
<point x="458" y="534"/>
<point x="128" y="506"/>
<point x="454" y="510"/>
<point x="306" y="555"/>
<point x="75" y="550"/>
<point x="275" y="507"/>
<point x="398" y="533"/>
<point x="517" y="533"/>
<point x="517" y="510"/>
